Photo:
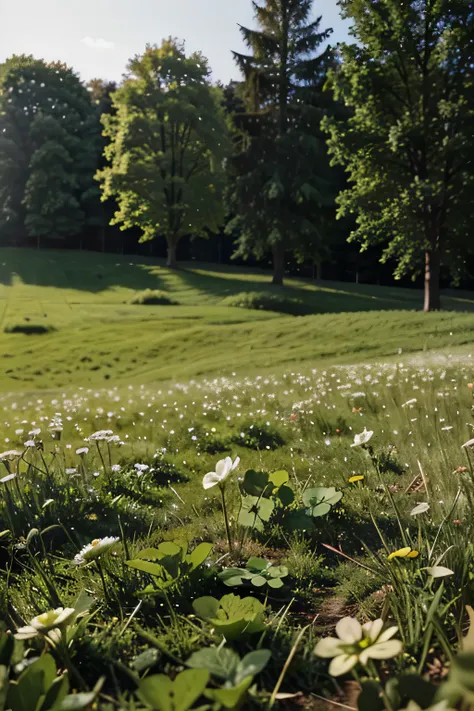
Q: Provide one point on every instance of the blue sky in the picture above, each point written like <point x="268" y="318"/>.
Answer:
<point x="96" y="37"/>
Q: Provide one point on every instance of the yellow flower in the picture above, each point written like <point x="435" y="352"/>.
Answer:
<point x="358" y="477"/>
<point x="404" y="553"/>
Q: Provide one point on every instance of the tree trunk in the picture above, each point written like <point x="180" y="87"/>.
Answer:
<point x="319" y="271"/>
<point x="432" y="273"/>
<point x="172" y="248"/>
<point x="278" y="264"/>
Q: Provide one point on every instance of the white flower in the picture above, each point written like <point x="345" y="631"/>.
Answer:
<point x="30" y="443"/>
<point x="94" y="550"/>
<point x="6" y="478"/>
<point x="357" y="643"/>
<point x="141" y="467"/>
<point x="46" y="622"/>
<point x="223" y="468"/>
<point x="10" y="455"/>
<point x="100" y="436"/>
<point x="362" y="438"/>
<point x="116" y="468"/>
<point x="469" y="443"/>
<point x="82" y="450"/>
<point x="419" y="509"/>
<point x="409" y="402"/>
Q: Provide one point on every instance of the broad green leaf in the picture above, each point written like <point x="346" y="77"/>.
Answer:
<point x="286" y="495"/>
<point x="7" y="645"/>
<point x="321" y="494"/>
<point x="159" y="692"/>
<point x="149" y="554"/>
<point x="255" y="483"/>
<point x="229" y="698"/>
<point x="299" y="521"/>
<point x="146" y="659"/>
<point x="83" y="603"/>
<point x="254" y="512"/>
<point x="219" y="661"/>
<point x="233" y="576"/>
<point x="56" y="693"/>
<point x="146" y="567"/>
<point x="257" y="564"/>
<point x="278" y="571"/>
<point x="275" y="583"/>
<point x="206" y="607"/>
<point x="76" y="702"/>
<point x="4" y="684"/>
<point x="318" y="510"/>
<point x="279" y="478"/>
<point x="199" y="554"/>
<point x="258" y="580"/>
<point x="252" y="664"/>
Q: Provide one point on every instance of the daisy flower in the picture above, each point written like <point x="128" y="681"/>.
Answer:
<point x="95" y="550"/>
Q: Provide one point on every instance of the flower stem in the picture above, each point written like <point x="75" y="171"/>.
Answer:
<point x="226" y="519"/>
<point x="101" y="573"/>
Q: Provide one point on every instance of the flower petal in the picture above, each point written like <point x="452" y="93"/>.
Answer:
<point x="236" y="463"/>
<point x="373" y="629"/>
<point x="210" y="480"/>
<point x="328" y="647"/>
<point x="221" y="467"/>
<point x="387" y="634"/>
<point x="27" y="632"/>
<point x="349" y="630"/>
<point x="342" y="664"/>
<point x="401" y="553"/>
<point x="384" y="650"/>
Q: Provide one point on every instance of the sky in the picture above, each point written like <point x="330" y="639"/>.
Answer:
<point x="97" y="37"/>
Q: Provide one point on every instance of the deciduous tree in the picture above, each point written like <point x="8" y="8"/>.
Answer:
<point x="168" y="144"/>
<point x="407" y="146"/>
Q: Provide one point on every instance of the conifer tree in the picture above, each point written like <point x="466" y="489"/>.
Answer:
<point x="280" y="175"/>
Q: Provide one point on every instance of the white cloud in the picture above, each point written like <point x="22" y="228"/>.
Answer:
<point x="97" y="43"/>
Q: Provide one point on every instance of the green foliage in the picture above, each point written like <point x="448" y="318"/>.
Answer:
<point x="267" y="302"/>
<point x="153" y="297"/>
<point x="159" y="692"/>
<point x="407" y="84"/>
<point x="280" y="178"/>
<point x="47" y="151"/>
<point x="231" y="617"/>
<point x="175" y="563"/>
<point x="168" y="141"/>
<point x="258" y="572"/>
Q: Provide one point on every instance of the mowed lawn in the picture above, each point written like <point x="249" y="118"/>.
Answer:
<point x="98" y="336"/>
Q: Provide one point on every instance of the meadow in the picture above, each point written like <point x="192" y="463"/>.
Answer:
<point x="192" y="530"/>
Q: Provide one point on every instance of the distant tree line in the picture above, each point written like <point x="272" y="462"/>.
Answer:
<point x="352" y="161"/>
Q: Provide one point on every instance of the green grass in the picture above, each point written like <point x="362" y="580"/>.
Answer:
<point x="97" y="335"/>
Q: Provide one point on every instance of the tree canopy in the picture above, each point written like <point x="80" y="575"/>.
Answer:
<point x="167" y="149"/>
<point x="407" y="145"/>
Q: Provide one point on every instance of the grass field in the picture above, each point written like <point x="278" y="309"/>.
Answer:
<point x="110" y="421"/>
<point x="98" y="336"/>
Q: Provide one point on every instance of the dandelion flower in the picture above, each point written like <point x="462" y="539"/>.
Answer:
<point x="47" y="621"/>
<point x="404" y="553"/>
<point x="362" y="438"/>
<point x="224" y="467"/>
<point x="95" y="550"/>
<point x="357" y="477"/>
<point x="356" y="643"/>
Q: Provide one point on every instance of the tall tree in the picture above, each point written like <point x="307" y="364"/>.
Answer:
<point x="407" y="147"/>
<point x="168" y="143"/>
<point x="279" y="181"/>
<point x="46" y="160"/>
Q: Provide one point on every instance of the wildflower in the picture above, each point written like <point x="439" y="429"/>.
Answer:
<point x="419" y="509"/>
<point x="357" y="409"/>
<point x="29" y="444"/>
<point x="46" y="622"/>
<point x="469" y="443"/>
<point x="94" y="550"/>
<point x="293" y="416"/>
<point x="100" y="436"/>
<point x="457" y="522"/>
<point x="356" y="643"/>
<point x="71" y="470"/>
<point x="141" y="467"/>
<point x="10" y="455"/>
<point x="357" y="477"/>
<point x="460" y="470"/>
<point x="362" y="438"/>
<point x="6" y="478"/>
<point x="116" y="468"/>
<point x="409" y="402"/>
<point x="82" y="451"/>
<point x="223" y="469"/>
<point x="404" y="553"/>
